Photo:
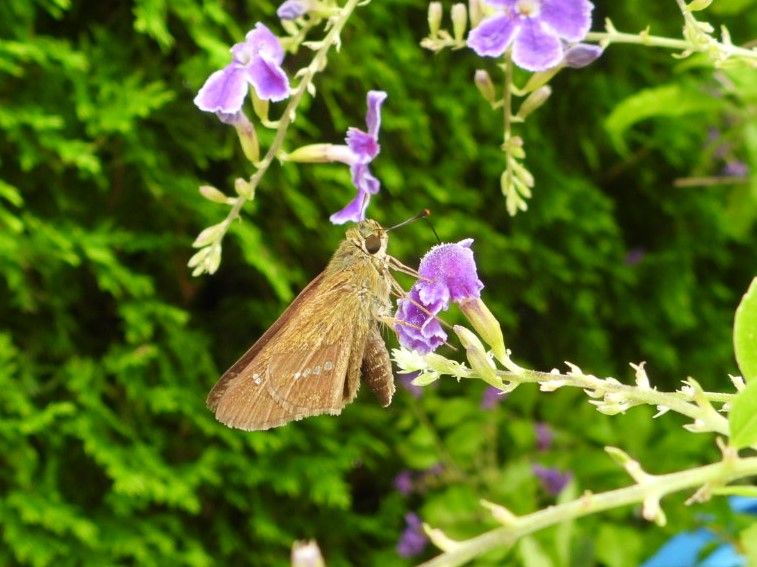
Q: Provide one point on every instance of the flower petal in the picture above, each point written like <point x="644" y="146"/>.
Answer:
<point x="268" y="78"/>
<point x="536" y="47"/>
<point x="373" y="116"/>
<point x="224" y="91"/>
<point x="354" y="211"/>
<point x="363" y="145"/>
<point x="453" y="267"/>
<point x="363" y="179"/>
<point x="423" y="333"/>
<point x="493" y="35"/>
<point x="506" y="4"/>
<point x="264" y="43"/>
<point x="570" y="19"/>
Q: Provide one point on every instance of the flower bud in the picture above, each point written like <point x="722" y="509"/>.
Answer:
<point x="485" y="85"/>
<point x="459" y="15"/>
<point x="321" y="153"/>
<point x="434" y="18"/>
<point x="293" y="9"/>
<point x="248" y="138"/>
<point x="534" y="101"/>
<point x="244" y="189"/>
<point x="475" y="12"/>
<point x="477" y="357"/>
<point x="209" y="235"/>
<point x="581" y="55"/>
<point x="213" y="194"/>
<point x="486" y="325"/>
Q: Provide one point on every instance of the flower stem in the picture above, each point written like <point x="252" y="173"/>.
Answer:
<point x="654" y="486"/>
<point x="317" y="64"/>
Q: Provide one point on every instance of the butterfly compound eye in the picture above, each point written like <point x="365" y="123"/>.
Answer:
<point x="373" y="243"/>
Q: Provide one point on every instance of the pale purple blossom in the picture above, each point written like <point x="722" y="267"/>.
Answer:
<point x="257" y="62"/>
<point x="293" y="9"/>
<point x="544" y="436"/>
<point x="403" y="482"/>
<point x="552" y="480"/>
<point x="735" y="168"/>
<point x="536" y="29"/>
<point x="634" y="256"/>
<point x="361" y="149"/>
<point x="413" y="540"/>
<point x="491" y="398"/>
<point x="446" y="273"/>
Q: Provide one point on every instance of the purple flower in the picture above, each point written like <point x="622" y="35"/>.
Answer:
<point x="552" y="480"/>
<point x="582" y="54"/>
<point x="634" y="256"/>
<point x="403" y="482"/>
<point x="491" y="398"/>
<point x="255" y="61"/>
<point x="406" y="381"/>
<point x="413" y="540"/>
<point x="293" y="9"/>
<point x="362" y="148"/>
<point x="447" y="273"/>
<point x="534" y="28"/>
<point x="544" y="436"/>
<point x="422" y="333"/>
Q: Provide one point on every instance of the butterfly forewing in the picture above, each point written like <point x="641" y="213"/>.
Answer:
<point x="306" y="364"/>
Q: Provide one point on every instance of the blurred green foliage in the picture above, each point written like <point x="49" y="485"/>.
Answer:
<point x="108" y="347"/>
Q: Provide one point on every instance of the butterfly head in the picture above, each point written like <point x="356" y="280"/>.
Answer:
<point x="370" y="237"/>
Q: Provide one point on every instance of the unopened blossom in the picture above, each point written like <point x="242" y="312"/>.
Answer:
<point x="256" y="61"/>
<point x="413" y="540"/>
<point x="447" y="273"/>
<point x="535" y="29"/>
<point x="361" y="149"/>
<point x="293" y="9"/>
<point x="552" y="480"/>
<point x="582" y="54"/>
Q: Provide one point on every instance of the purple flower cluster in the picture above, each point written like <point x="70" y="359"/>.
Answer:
<point x="413" y="540"/>
<point x="256" y="61"/>
<point x="446" y="273"/>
<point x="362" y="147"/>
<point x="544" y="436"/>
<point x="536" y="30"/>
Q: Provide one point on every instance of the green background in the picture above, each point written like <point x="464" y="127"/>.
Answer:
<point x="108" y="346"/>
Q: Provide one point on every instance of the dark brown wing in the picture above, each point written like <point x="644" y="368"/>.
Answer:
<point x="376" y="367"/>
<point x="307" y="363"/>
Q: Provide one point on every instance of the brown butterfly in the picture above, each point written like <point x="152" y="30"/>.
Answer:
<point x="310" y="361"/>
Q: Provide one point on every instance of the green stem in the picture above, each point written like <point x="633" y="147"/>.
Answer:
<point x="653" y="486"/>
<point x="317" y="64"/>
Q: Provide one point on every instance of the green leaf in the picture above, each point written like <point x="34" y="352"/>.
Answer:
<point x="743" y="417"/>
<point x="745" y="333"/>
<point x="749" y="544"/>
<point x="666" y="100"/>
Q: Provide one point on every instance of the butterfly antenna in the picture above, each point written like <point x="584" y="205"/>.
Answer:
<point x="422" y="215"/>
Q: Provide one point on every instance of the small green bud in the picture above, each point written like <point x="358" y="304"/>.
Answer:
<point x="477" y="357"/>
<point x="243" y="189"/>
<point x="213" y="194"/>
<point x="485" y="85"/>
<point x="459" y="15"/>
<point x="209" y="235"/>
<point x="697" y="5"/>
<point x="260" y="106"/>
<point x="486" y="325"/>
<point x="475" y="12"/>
<point x="534" y="101"/>
<point x="434" y="18"/>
